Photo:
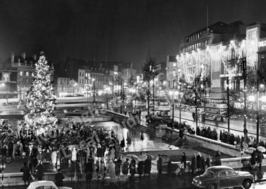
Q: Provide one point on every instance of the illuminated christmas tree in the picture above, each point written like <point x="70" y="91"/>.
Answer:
<point x="41" y="100"/>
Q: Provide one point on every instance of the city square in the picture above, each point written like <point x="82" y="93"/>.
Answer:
<point x="133" y="94"/>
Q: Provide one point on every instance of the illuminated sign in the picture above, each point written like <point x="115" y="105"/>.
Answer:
<point x="252" y="44"/>
<point x="262" y="43"/>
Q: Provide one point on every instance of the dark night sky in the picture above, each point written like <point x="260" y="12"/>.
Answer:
<point x="127" y="30"/>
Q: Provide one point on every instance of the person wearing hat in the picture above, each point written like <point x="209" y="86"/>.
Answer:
<point x="159" y="164"/>
<point x="125" y="167"/>
<point x="59" y="178"/>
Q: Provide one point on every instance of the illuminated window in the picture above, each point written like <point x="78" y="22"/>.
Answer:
<point x="27" y="74"/>
<point x="21" y="73"/>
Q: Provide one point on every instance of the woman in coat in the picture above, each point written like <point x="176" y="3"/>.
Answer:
<point x="140" y="168"/>
<point x="184" y="160"/>
<point x="118" y="167"/>
<point x="125" y="167"/>
<point x="199" y="162"/>
<point x="193" y="164"/>
<point x="159" y="164"/>
<point x="132" y="167"/>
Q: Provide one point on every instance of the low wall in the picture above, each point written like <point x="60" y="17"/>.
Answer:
<point x="214" y="145"/>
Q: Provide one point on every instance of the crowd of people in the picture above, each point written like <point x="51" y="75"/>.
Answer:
<point x="79" y="150"/>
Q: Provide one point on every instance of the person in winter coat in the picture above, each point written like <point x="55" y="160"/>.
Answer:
<point x="26" y="174"/>
<point x="59" y="178"/>
<point x="218" y="158"/>
<point x="40" y="171"/>
<point x="102" y="170"/>
<point x="78" y="170"/>
<point x="159" y="164"/>
<point x="122" y="144"/>
<point x="147" y="165"/>
<point x="202" y="164"/>
<point x="88" y="171"/>
<point x="259" y="158"/>
<point x="199" y="162"/>
<point x="125" y="167"/>
<point x="193" y="164"/>
<point x="140" y="168"/>
<point x="112" y="172"/>
<point x="141" y="136"/>
<point x="184" y="160"/>
<point x="208" y="161"/>
<point x="132" y="167"/>
<point x="118" y="163"/>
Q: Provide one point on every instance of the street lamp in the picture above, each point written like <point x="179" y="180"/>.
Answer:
<point x="94" y="92"/>
<point x="263" y="98"/>
<point x="173" y="94"/>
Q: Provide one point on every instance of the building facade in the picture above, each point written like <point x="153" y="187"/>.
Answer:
<point x="17" y="75"/>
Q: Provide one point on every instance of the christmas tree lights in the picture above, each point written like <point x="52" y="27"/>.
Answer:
<point x="41" y="100"/>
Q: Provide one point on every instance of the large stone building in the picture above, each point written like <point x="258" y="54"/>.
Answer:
<point x="213" y="56"/>
<point x="17" y="74"/>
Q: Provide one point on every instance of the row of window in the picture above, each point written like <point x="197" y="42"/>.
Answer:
<point x="23" y="73"/>
<point x="195" y="36"/>
<point x="64" y="81"/>
<point x="196" y="46"/>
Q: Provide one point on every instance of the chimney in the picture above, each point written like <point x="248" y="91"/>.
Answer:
<point x="23" y="55"/>
<point x="12" y="58"/>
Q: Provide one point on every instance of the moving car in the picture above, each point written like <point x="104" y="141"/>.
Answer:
<point x="223" y="177"/>
<point x="45" y="184"/>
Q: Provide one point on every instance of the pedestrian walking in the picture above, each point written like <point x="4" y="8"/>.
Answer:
<point x="159" y="164"/>
<point x="208" y="161"/>
<point x="132" y="167"/>
<point x="122" y="144"/>
<point x="88" y="171"/>
<point x="118" y="163"/>
<point x="141" y="136"/>
<point x="125" y="167"/>
<point x="140" y="169"/>
<point x="193" y="164"/>
<point x="39" y="171"/>
<point x="184" y="160"/>
<point x="259" y="158"/>
<point x="59" y="177"/>
<point x="199" y="162"/>
<point x="202" y="163"/>
<point x="26" y="174"/>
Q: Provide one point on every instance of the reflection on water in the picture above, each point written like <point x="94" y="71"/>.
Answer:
<point x="151" y="136"/>
<point x="150" y="141"/>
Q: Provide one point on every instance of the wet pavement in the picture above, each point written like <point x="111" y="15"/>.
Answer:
<point x="153" y="182"/>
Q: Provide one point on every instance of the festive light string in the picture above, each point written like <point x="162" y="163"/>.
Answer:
<point x="190" y="63"/>
<point x="40" y="99"/>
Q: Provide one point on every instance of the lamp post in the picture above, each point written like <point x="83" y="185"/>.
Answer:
<point x="173" y="94"/>
<point x="181" y="97"/>
<point x="153" y="86"/>
<point x="263" y="99"/>
<point x="258" y="100"/>
<point x="244" y="66"/>
<point x="196" y="113"/>
<point x="94" y="93"/>
<point x="2" y="167"/>
<point x="228" y="104"/>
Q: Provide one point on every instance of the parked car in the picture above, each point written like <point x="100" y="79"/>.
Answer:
<point x="223" y="177"/>
<point x="45" y="184"/>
